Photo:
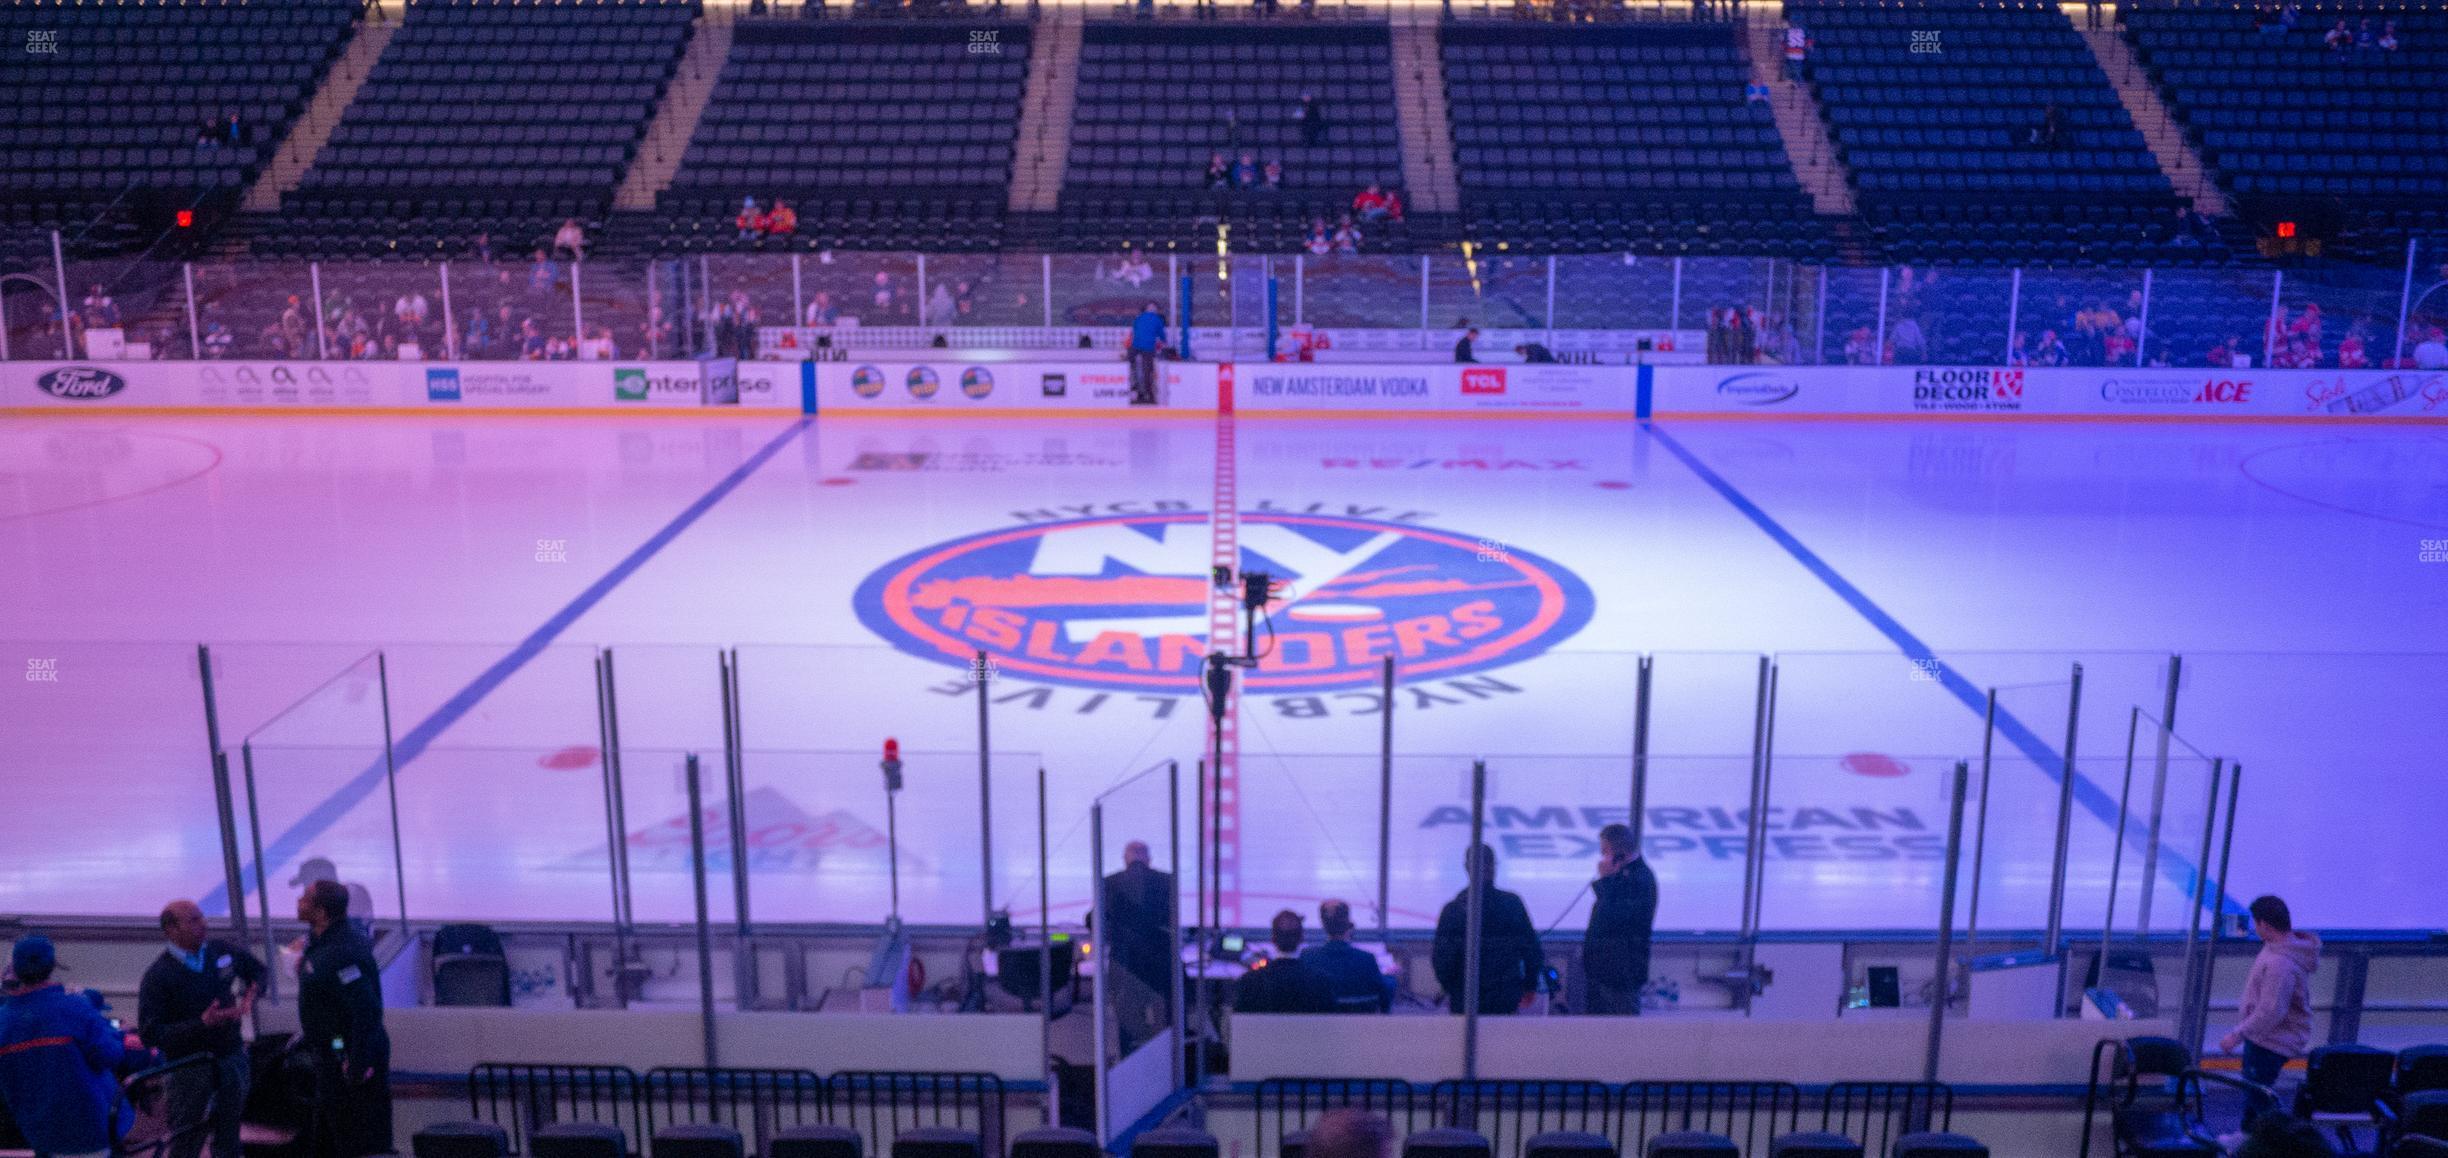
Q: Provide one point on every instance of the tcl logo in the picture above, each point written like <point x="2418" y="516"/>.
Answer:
<point x="2225" y="390"/>
<point x="1484" y="380"/>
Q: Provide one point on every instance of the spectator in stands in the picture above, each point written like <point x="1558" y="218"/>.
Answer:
<point x="1219" y="171"/>
<point x="101" y="312"/>
<point x="1272" y="181"/>
<point x="1134" y="270"/>
<point x="2117" y="348"/>
<point x="293" y="328"/>
<point x="191" y="1003"/>
<point x="2431" y="353"/>
<point x="208" y="134"/>
<point x="1756" y="93"/>
<point x="939" y="307"/>
<point x="1245" y="172"/>
<point x="1147" y="338"/>
<point x="1282" y="983"/>
<point x="57" y="1056"/>
<point x="341" y="1023"/>
<point x="2274" y="1017"/>
<point x="2367" y="41"/>
<point x="2339" y="39"/>
<point x="749" y="223"/>
<point x="233" y="133"/>
<point x="2290" y="15"/>
<point x="1511" y="964"/>
<point x="217" y="339"/>
<point x="2018" y="351"/>
<point x="570" y="239"/>
<point x="533" y="347"/>
<point x="1394" y="205"/>
<point x="783" y="222"/>
<point x="2388" y="36"/>
<point x="482" y="248"/>
<point x="1370" y="203"/>
<point x="883" y="299"/>
<point x="1349" y="1134"/>
<point x="1311" y="117"/>
<point x="2050" y="351"/>
<point x="1535" y="354"/>
<point x="1137" y="908"/>
<point x="1778" y="342"/>
<point x="1911" y="348"/>
<point x="542" y="274"/>
<point x="820" y="310"/>
<point x="1318" y="243"/>
<point x="2050" y="133"/>
<point x="1346" y="236"/>
<point x="1797" y="51"/>
<point x="1861" y="347"/>
<point x="2354" y="352"/>
<point x="411" y="309"/>
<point x="1466" y="347"/>
<point x="1615" y="953"/>
<point x="1350" y="975"/>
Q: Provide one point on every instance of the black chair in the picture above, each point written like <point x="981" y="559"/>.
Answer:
<point x="1938" y="1146"/>
<point x="698" y="1140"/>
<point x="1691" y="1144"/>
<point x="2153" y="1097"/>
<point x="461" y="1140"/>
<point x="2424" y="1067"/>
<point x="938" y="1142"/>
<point x="1295" y="1144"/>
<point x="815" y="1142"/>
<point x="470" y="967"/>
<point x="1568" y="1144"/>
<point x="1446" y="1142"/>
<point x="1055" y="1142"/>
<point x="1175" y="1142"/>
<point x="1814" y="1144"/>
<point x="2422" y="1114"/>
<point x="578" y="1140"/>
<point x="2346" y="1087"/>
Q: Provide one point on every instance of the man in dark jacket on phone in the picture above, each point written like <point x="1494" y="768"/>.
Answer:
<point x="340" y="1021"/>
<point x="194" y="998"/>
<point x="1615" y="954"/>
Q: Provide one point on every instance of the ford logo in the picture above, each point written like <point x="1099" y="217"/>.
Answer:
<point x="81" y="382"/>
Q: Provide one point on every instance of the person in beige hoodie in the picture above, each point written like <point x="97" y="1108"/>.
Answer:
<point x="2274" y="1021"/>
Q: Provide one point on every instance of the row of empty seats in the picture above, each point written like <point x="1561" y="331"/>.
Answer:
<point x="101" y="101"/>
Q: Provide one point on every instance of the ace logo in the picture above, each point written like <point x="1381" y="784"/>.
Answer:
<point x="1483" y="380"/>
<point x="2225" y="390"/>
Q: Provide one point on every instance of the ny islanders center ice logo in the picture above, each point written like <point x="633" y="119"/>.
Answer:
<point x="1119" y="603"/>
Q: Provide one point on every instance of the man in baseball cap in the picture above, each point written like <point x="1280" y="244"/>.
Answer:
<point x="56" y="1057"/>
<point x="361" y="899"/>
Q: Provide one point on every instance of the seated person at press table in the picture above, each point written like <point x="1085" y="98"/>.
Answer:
<point x="1349" y="973"/>
<point x="1284" y="983"/>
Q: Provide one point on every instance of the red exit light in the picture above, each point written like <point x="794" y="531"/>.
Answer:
<point x="2286" y="229"/>
<point x="186" y="219"/>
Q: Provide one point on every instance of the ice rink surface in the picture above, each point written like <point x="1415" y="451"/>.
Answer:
<point x="1895" y="572"/>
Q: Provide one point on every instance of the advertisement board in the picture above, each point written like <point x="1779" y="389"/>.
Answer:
<point x="1541" y="388"/>
<point x="952" y="384"/>
<point x="308" y="386"/>
<point x="2001" y="391"/>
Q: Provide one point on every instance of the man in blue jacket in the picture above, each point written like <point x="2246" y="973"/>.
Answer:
<point x="56" y="1059"/>
<point x="1147" y="337"/>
